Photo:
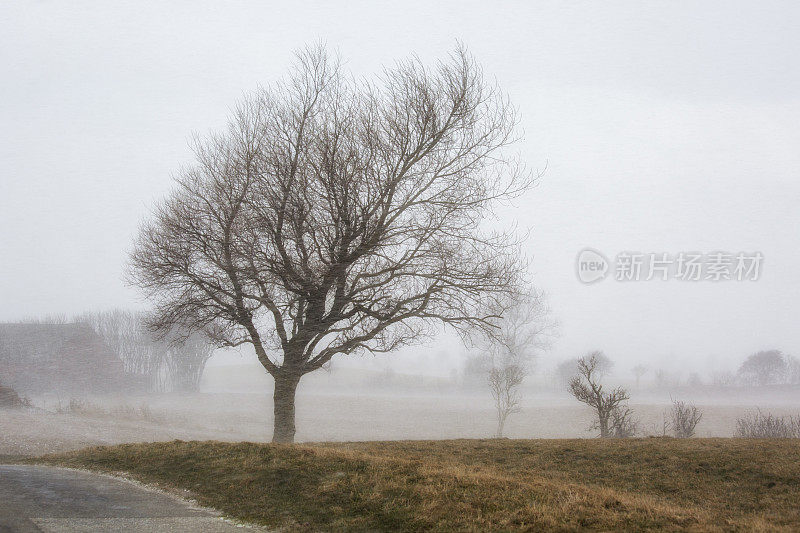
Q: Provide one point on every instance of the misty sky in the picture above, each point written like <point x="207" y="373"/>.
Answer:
<point x="665" y="127"/>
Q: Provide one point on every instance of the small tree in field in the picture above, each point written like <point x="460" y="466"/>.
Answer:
<point x="504" y="382"/>
<point x="336" y="216"/>
<point x="613" y="418"/>
<point x="525" y="329"/>
<point x="638" y="372"/>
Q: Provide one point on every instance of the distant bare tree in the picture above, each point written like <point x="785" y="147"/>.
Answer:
<point x="176" y="361"/>
<point x="186" y="360"/>
<point x="660" y="376"/>
<point x="665" y="379"/>
<point x="764" y="368"/>
<point x="475" y="367"/>
<point x="566" y="370"/>
<point x="525" y="329"/>
<point x="684" y="418"/>
<point x="638" y="372"/>
<point x="125" y="332"/>
<point x="504" y="382"/>
<point x="613" y="419"/>
<point x="723" y="378"/>
<point x="603" y="364"/>
<point x="569" y="368"/>
<point x="336" y="216"/>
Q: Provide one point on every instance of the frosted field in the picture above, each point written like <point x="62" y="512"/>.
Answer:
<point x="335" y="416"/>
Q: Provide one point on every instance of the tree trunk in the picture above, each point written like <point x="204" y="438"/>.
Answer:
<point x="604" y="432"/>
<point x="501" y="422"/>
<point x="283" y="406"/>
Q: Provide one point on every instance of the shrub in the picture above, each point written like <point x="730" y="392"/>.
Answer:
<point x="77" y="406"/>
<point x="685" y="417"/>
<point x="767" y="426"/>
<point x="623" y="425"/>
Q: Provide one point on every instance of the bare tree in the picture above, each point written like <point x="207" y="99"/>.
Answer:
<point x="613" y="418"/>
<point x="685" y="417"/>
<point x="566" y="370"/>
<point x="335" y="216"/>
<point x="186" y="360"/>
<point x="525" y="329"/>
<point x="125" y="332"/>
<point x="603" y="364"/>
<point x="639" y="371"/>
<point x="723" y="378"/>
<point x="622" y="423"/>
<point x="176" y="361"/>
<point x="504" y="382"/>
<point x="661" y="378"/>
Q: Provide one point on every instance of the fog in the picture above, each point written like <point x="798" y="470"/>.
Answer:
<point x="658" y="129"/>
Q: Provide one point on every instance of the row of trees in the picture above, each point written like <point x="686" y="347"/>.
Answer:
<point x="766" y="368"/>
<point x="172" y="362"/>
<point x="762" y="369"/>
<point x="155" y="362"/>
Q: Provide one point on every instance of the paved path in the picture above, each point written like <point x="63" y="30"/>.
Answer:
<point x="48" y="499"/>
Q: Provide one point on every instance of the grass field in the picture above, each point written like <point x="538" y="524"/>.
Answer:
<point x="478" y="485"/>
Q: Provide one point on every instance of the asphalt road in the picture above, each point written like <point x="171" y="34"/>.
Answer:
<point x="47" y="499"/>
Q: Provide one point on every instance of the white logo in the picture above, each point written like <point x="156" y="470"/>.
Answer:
<point x="592" y="266"/>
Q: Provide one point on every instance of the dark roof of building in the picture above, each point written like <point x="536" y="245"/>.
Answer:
<point x="35" y="354"/>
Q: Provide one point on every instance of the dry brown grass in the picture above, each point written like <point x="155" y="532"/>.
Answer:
<point x="479" y="485"/>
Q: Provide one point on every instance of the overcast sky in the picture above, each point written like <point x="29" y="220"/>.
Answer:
<point x="665" y="127"/>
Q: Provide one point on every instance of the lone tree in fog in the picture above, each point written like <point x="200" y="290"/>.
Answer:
<point x="639" y="371"/>
<point x="613" y="417"/>
<point x="335" y="216"/>
<point x="525" y="329"/>
<point x="764" y="368"/>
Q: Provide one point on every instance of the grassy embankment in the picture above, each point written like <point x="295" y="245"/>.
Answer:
<point x="475" y="485"/>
